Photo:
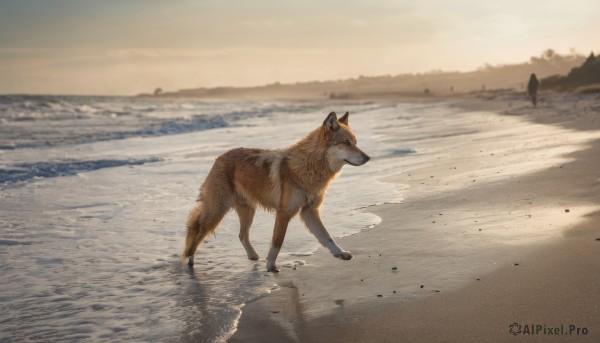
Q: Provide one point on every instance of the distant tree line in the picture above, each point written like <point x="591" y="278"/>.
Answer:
<point x="585" y="75"/>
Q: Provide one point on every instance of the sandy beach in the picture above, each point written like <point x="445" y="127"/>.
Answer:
<point x="475" y="214"/>
<point x="497" y="241"/>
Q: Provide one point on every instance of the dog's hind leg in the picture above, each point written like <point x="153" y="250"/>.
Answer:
<point x="203" y="220"/>
<point x="246" y="215"/>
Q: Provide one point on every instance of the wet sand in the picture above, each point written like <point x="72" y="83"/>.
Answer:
<point x="529" y="170"/>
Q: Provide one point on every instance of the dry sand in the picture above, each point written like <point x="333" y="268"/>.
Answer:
<point x="523" y="169"/>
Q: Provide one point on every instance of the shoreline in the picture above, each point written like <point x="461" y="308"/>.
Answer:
<point x="489" y="297"/>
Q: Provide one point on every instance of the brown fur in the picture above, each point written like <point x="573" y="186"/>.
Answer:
<point x="285" y="181"/>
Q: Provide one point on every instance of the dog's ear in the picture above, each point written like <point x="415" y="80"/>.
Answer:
<point x="331" y="122"/>
<point x="344" y="118"/>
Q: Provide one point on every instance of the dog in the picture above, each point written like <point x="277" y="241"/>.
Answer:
<point x="285" y="181"/>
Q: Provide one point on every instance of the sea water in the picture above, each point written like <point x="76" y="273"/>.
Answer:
<point x="94" y="195"/>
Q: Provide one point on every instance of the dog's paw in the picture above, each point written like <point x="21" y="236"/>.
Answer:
<point x="344" y="255"/>
<point x="253" y="257"/>
<point x="273" y="269"/>
<point x="191" y="261"/>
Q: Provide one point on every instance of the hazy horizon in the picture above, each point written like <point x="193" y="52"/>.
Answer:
<point x="130" y="47"/>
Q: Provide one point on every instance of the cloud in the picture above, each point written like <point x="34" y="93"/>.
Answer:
<point x="268" y="23"/>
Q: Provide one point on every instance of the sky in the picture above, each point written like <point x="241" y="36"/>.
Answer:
<point x="125" y="47"/>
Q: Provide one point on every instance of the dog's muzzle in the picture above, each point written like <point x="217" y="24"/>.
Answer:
<point x="364" y="158"/>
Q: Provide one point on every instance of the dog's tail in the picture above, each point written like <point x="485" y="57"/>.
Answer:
<point x="193" y="230"/>
<point x="216" y="197"/>
<point x="202" y="221"/>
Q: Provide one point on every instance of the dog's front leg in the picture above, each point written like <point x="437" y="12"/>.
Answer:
<point x="281" y="223"/>
<point x="312" y="220"/>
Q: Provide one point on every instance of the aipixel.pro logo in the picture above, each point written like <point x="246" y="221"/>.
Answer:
<point x="547" y="330"/>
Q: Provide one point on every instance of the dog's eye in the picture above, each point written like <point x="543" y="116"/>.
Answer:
<point x="347" y="142"/>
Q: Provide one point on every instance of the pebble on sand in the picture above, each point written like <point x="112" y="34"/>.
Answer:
<point x="422" y="286"/>
<point x="516" y="264"/>
<point x="394" y="268"/>
<point x="379" y="295"/>
<point x="567" y="210"/>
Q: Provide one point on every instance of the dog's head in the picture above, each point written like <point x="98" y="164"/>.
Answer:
<point x="341" y="143"/>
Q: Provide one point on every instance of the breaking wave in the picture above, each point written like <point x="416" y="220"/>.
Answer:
<point x="25" y="171"/>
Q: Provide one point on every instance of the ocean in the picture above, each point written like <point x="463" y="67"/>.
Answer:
<point x="95" y="192"/>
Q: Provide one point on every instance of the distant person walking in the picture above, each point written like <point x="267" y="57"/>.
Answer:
<point x="532" y="88"/>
